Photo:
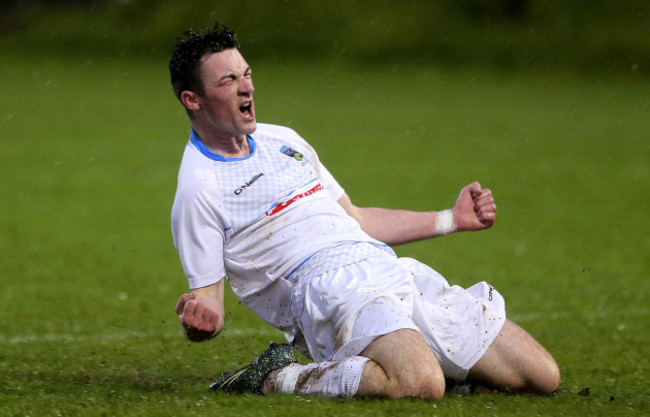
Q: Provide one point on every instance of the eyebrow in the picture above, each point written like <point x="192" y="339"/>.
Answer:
<point x="233" y="76"/>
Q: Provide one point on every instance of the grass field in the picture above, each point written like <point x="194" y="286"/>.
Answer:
<point x="89" y="151"/>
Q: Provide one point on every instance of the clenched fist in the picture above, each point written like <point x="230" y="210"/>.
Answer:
<point x="198" y="320"/>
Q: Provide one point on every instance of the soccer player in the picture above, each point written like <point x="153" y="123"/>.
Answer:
<point x="255" y="205"/>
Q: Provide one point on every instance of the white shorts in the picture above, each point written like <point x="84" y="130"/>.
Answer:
<point x="341" y="310"/>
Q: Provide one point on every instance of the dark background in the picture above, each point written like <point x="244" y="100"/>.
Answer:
<point x="595" y="36"/>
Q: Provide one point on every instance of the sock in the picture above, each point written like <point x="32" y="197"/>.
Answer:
<point x="327" y="379"/>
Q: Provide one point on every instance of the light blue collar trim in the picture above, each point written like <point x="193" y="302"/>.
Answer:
<point x="196" y="141"/>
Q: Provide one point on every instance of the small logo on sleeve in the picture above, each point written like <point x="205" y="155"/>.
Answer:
<point x="291" y="152"/>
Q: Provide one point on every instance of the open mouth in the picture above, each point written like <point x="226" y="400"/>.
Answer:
<point x="247" y="109"/>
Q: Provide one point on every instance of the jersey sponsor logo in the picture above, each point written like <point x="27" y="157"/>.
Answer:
<point x="291" y="152"/>
<point x="284" y="204"/>
<point x="248" y="184"/>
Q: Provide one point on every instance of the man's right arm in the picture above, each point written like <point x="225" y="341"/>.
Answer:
<point x="201" y="312"/>
<point x="474" y="210"/>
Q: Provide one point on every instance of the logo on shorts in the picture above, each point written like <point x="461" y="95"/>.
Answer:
<point x="291" y="152"/>
<point x="490" y="293"/>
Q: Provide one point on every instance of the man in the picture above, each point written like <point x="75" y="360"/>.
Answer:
<point x="254" y="204"/>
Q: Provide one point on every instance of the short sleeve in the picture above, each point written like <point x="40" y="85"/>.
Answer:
<point x="199" y="238"/>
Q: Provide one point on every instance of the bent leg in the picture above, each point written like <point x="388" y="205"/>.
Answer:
<point x="401" y="365"/>
<point x="397" y="364"/>
<point x="516" y="362"/>
<point x="327" y="379"/>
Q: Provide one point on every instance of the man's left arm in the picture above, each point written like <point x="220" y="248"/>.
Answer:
<point x="474" y="210"/>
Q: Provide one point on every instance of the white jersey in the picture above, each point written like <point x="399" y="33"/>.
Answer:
<point x="257" y="219"/>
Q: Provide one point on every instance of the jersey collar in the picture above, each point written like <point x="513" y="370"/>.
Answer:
<point x="196" y="141"/>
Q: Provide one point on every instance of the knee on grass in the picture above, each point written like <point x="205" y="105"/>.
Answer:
<point x="544" y="381"/>
<point x="427" y="389"/>
<point x="423" y="382"/>
<point x="547" y="383"/>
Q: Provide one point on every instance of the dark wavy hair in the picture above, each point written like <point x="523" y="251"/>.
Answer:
<point x="185" y="62"/>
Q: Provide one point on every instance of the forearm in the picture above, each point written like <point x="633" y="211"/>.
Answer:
<point x="396" y="227"/>
<point x="474" y="210"/>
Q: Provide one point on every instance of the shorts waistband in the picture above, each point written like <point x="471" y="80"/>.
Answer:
<point x="345" y="254"/>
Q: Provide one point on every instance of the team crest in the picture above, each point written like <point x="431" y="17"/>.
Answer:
<point x="291" y="152"/>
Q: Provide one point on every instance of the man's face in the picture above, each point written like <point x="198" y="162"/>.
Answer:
<point x="227" y="99"/>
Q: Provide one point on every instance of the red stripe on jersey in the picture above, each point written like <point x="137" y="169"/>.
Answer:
<point x="281" y="206"/>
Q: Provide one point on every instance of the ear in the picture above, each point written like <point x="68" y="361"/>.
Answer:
<point x="191" y="100"/>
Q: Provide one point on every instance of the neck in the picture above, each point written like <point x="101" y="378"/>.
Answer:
<point x="226" y="146"/>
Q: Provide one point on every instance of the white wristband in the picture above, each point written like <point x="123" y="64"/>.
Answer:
<point x="445" y="222"/>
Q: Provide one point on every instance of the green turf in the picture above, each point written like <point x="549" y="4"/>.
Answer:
<point x="89" y="151"/>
